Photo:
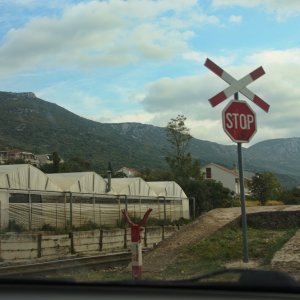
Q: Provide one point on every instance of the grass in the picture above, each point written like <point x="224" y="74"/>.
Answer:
<point x="207" y="255"/>
<point x="91" y="275"/>
<point x="226" y="246"/>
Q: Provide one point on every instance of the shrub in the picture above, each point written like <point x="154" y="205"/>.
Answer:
<point x="15" y="227"/>
<point x="87" y="226"/>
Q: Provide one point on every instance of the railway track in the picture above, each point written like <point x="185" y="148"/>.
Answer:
<point x="64" y="264"/>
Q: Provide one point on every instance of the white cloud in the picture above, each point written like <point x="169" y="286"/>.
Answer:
<point x="102" y="33"/>
<point x="282" y="57"/>
<point x="235" y="19"/>
<point x="189" y="96"/>
<point x="200" y="57"/>
<point x="140" y="117"/>
<point x="282" y="9"/>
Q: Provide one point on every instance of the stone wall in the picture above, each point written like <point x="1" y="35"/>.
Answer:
<point x="269" y="219"/>
<point x="274" y="219"/>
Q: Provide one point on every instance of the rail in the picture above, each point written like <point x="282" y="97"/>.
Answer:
<point x="63" y="264"/>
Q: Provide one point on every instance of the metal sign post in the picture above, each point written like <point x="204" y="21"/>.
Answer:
<point x="239" y="122"/>
<point x="242" y="196"/>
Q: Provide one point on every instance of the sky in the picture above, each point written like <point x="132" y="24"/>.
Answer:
<point x="143" y="61"/>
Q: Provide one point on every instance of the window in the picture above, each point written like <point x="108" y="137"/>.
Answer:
<point x="208" y="173"/>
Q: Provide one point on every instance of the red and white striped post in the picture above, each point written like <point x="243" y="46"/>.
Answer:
<point x="136" y="245"/>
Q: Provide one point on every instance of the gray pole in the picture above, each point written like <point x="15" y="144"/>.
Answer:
<point x="71" y="211"/>
<point x="165" y="210"/>
<point x="126" y="202"/>
<point x="242" y="193"/>
<point x="194" y="207"/>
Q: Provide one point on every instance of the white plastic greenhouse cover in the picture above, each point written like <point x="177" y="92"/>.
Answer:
<point x="168" y="189"/>
<point x="131" y="187"/>
<point x="25" y="177"/>
<point x="79" y="182"/>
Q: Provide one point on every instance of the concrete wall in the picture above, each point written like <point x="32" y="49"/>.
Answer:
<point x="55" y="246"/>
<point x="153" y="236"/>
<point x="4" y="208"/>
<point x="18" y="247"/>
<point x="86" y="241"/>
<point x="113" y="239"/>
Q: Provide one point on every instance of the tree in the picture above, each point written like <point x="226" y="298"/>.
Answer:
<point x="265" y="186"/>
<point x="208" y="194"/>
<point x="291" y="196"/>
<point x="56" y="160"/>
<point x="156" y="175"/>
<point x="186" y="171"/>
<point x="76" y="164"/>
<point x="181" y="163"/>
<point x="53" y="167"/>
<point x="178" y="135"/>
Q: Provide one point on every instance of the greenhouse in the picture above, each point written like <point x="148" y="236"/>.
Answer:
<point x="35" y="200"/>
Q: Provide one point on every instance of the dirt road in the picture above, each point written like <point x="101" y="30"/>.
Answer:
<point x="167" y="251"/>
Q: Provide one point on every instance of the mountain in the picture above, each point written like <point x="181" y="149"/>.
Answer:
<point x="281" y="156"/>
<point x="32" y="124"/>
<point x="38" y="126"/>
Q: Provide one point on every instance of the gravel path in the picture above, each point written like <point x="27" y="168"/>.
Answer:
<point x="167" y="251"/>
<point x="288" y="257"/>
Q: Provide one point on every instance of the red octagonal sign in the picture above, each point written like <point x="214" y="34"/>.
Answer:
<point x="239" y="121"/>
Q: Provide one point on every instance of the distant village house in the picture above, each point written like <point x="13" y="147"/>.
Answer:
<point x="127" y="172"/>
<point x="228" y="177"/>
<point x="17" y="155"/>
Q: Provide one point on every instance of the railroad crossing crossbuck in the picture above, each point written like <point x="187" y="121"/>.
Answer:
<point x="239" y="122"/>
<point x="236" y="85"/>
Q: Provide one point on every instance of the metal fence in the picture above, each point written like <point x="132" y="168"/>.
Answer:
<point x="67" y="210"/>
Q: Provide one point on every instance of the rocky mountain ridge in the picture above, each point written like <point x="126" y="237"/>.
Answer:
<point x="38" y="126"/>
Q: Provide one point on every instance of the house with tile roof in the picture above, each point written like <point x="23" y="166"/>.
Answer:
<point x="228" y="177"/>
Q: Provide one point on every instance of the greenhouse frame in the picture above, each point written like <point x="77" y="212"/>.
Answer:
<point x="35" y="200"/>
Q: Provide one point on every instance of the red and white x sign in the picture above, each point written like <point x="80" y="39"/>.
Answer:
<point x="236" y="85"/>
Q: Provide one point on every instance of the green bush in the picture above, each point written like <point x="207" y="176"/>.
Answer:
<point x="155" y="222"/>
<point x="15" y="227"/>
<point x="291" y="196"/>
<point x="87" y="226"/>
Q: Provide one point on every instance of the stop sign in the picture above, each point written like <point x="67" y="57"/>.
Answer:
<point x="239" y="121"/>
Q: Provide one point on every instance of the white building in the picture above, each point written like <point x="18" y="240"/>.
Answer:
<point x="228" y="177"/>
<point x="129" y="172"/>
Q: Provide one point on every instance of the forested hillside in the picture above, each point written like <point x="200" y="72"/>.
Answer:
<point x="38" y="126"/>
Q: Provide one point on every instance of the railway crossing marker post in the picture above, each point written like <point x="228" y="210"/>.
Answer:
<point x="136" y="245"/>
<point x="239" y="123"/>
